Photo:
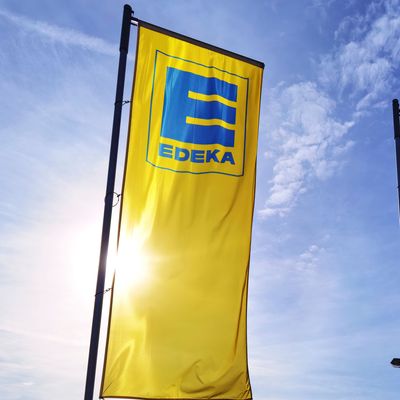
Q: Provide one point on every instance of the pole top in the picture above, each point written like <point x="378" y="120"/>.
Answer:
<point x="125" y="29"/>
<point x="127" y="8"/>
<point x="396" y="119"/>
<point x="395" y="362"/>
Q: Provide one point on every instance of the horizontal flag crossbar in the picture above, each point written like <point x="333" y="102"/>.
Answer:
<point x="210" y="122"/>
<point x="211" y="97"/>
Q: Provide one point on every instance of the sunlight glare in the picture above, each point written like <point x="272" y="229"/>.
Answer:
<point x="131" y="263"/>
<point x="84" y="254"/>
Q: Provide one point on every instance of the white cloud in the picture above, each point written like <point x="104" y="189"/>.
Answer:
<point x="50" y="268"/>
<point x="55" y="152"/>
<point x="363" y="64"/>
<point x="309" y="258"/>
<point x="310" y="139"/>
<point x="306" y="130"/>
<point x="288" y="368"/>
<point x="67" y="37"/>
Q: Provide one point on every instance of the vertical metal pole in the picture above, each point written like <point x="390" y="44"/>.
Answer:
<point x="396" y="125"/>
<point x="108" y="201"/>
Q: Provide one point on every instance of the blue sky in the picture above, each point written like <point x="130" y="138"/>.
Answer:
<point x="324" y="301"/>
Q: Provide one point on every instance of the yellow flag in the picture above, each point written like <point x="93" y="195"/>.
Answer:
<point x="177" y="327"/>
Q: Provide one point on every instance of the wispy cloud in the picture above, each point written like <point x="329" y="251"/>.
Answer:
<point x="309" y="135"/>
<point x="310" y="328"/>
<point x="310" y="257"/>
<point x="295" y="363"/>
<point x="310" y="140"/>
<point x="363" y="64"/>
<point x="64" y="36"/>
<point x="54" y="149"/>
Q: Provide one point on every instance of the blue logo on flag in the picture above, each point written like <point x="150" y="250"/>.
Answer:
<point x="198" y="109"/>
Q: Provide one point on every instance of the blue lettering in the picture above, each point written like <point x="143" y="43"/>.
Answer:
<point x="165" y="150"/>
<point x="197" y="156"/>
<point x="194" y="155"/>
<point x="212" y="155"/>
<point x="185" y="154"/>
<point x="228" y="156"/>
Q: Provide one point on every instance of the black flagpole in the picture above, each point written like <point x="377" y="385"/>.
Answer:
<point x="396" y="125"/>
<point x="108" y="203"/>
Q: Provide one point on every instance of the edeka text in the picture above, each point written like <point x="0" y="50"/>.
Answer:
<point x="195" y="155"/>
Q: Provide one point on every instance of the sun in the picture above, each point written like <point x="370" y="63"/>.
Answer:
<point x="132" y="262"/>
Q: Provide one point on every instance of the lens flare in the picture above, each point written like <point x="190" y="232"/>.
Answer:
<point x="132" y="261"/>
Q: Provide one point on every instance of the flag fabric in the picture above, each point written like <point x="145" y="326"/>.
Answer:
<point x="177" y="325"/>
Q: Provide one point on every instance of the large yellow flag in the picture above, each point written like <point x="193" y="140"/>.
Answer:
<point x="177" y="326"/>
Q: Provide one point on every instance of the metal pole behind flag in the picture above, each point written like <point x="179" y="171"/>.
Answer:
<point x="108" y="203"/>
<point x="396" y="125"/>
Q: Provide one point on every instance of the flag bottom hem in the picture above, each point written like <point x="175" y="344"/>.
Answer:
<point x="176" y="398"/>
